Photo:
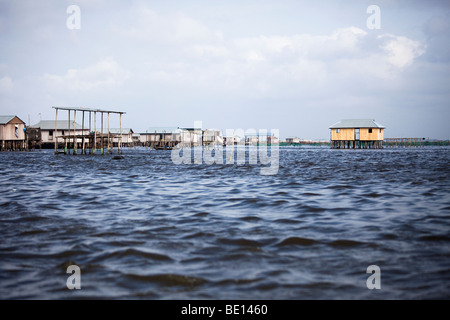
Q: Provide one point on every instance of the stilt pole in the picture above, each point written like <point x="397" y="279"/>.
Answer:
<point x="95" y="132"/>
<point x="101" y="135"/>
<point x="67" y="150"/>
<point x="109" y="142"/>
<point x="54" y="134"/>
<point x="120" y="135"/>
<point x="83" y="139"/>
<point x="90" y="138"/>
<point x="74" y="132"/>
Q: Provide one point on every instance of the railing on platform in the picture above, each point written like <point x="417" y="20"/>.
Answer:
<point x="404" y="142"/>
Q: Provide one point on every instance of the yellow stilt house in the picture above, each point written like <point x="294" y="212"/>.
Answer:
<point x="357" y="133"/>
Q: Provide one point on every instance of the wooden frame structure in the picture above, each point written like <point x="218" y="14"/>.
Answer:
<point x="93" y="139"/>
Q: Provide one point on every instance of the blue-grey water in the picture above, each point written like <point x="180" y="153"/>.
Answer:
<point x="142" y="227"/>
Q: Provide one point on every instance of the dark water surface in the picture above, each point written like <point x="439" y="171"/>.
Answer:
<point x="142" y="227"/>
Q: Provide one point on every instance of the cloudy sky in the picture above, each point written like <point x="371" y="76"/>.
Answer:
<point x="297" y="66"/>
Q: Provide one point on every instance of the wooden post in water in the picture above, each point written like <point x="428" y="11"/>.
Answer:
<point x="101" y="135"/>
<point x="54" y="134"/>
<point x="74" y="132"/>
<point x="95" y="133"/>
<point x="83" y="139"/>
<point x="65" y="139"/>
<point x="109" y="142"/>
<point x="90" y="138"/>
<point x="120" y="135"/>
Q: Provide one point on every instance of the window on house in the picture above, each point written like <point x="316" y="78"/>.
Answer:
<point x="16" y="131"/>
<point x="338" y="130"/>
<point x="370" y="130"/>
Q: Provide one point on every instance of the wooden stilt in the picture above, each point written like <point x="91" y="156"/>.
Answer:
<point x="54" y="133"/>
<point x="120" y="135"/>
<point x="95" y="132"/>
<point x="101" y="135"/>
<point x="83" y="139"/>
<point x="67" y="151"/>
<point x="90" y="137"/>
<point x="74" y="132"/>
<point x="109" y="142"/>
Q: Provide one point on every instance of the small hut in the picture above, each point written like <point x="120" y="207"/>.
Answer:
<point x="161" y="137"/>
<point x="212" y="137"/>
<point x="120" y="134"/>
<point x="293" y="140"/>
<point x="12" y="133"/>
<point x="191" y="137"/>
<point x="47" y="130"/>
<point x="357" y="133"/>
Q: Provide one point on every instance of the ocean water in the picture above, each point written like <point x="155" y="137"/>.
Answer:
<point x="142" y="227"/>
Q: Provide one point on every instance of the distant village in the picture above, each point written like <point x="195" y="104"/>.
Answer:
<point x="94" y="134"/>
<point x="70" y="134"/>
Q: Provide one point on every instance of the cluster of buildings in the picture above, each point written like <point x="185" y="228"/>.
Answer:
<point x="15" y="135"/>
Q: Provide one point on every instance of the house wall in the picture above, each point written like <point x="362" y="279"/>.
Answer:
<point x="188" y="137"/>
<point x="126" y="138"/>
<point x="210" y="135"/>
<point x="155" y="137"/>
<point x="347" y="134"/>
<point x="143" y="138"/>
<point x="46" y="138"/>
<point x="376" y="135"/>
<point x="172" y="137"/>
<point x="8" y="131"/>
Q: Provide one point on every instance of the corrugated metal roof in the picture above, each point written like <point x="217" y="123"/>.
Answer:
<point x="260" y="133"/>
<point x="62" y="125"/>
<point x="6" y="119"/>
<point x="356" y="123"/>
<point x="163" y="130"/>
<point x="117" y="130"/>
<point x="211" y="133"/>
<point x="195" y="130"/>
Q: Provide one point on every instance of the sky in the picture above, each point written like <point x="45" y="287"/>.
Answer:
<point x="296" y="66"/>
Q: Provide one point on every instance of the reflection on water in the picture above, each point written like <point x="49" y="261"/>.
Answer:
<point x="142" y="227"/>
